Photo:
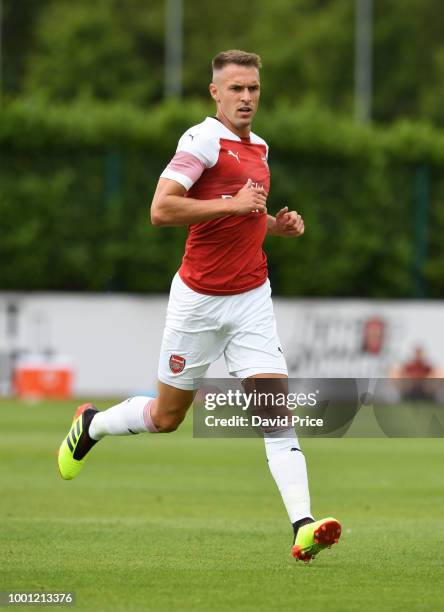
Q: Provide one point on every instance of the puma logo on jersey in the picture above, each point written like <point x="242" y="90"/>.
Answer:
<point x="236" y="155"/>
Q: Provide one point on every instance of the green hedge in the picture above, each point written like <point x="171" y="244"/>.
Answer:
<point x="76" y="183"/>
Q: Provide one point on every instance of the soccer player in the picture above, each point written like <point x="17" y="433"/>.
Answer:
<point x="217" y="184"/>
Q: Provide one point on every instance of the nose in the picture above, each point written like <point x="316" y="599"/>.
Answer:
<point x="246" y="95"/>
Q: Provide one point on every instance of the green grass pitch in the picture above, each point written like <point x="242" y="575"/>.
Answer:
<point x="171" y="523"/>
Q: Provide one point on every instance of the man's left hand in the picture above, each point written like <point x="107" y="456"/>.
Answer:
<point x="288" y="223"/>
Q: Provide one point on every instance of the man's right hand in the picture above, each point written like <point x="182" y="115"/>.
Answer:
<point x="249" y="199"/>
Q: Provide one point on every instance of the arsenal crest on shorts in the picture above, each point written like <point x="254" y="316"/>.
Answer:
<point x="177" y="364"/>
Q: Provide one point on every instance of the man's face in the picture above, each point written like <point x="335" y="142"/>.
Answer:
<point x="236" y="91"/>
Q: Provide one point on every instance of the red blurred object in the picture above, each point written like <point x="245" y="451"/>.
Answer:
<point x="417" y="367"/>
<point x="43" y="380"/>
<point x="373" y="335"/>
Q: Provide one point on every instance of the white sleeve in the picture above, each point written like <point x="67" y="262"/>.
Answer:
<point x="195" y="152"/>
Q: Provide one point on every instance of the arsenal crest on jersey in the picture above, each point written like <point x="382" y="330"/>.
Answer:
<point x="177" y="364"/>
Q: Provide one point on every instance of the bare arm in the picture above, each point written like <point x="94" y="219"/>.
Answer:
<point x="285" y="224"/>
<point x="171" y="207"/>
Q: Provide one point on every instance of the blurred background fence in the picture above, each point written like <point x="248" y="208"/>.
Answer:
<point x="76" y="183"/>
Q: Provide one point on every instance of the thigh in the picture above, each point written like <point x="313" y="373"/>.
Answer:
<point x="192" y="338"/>
<point x="186" y="356"/>
<point x="254" y="346"/>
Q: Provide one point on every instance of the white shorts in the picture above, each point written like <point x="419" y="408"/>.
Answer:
<point x="200" y="328"/>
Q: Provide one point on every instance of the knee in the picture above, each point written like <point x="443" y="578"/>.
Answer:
<point x="170" y="407"/>
<point x="167" y="423"/>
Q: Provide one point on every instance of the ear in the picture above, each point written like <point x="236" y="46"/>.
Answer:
<point x="213" y="91"/>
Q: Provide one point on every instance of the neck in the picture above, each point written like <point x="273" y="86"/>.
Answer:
<point x="243" y="132"/>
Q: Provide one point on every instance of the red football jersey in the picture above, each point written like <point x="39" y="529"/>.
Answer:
<point x="222" y="256"/>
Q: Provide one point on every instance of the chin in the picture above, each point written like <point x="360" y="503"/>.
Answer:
<point x="241" y="123"/>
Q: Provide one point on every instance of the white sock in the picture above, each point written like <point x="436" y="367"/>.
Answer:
<point x="289" y="470"/>
<point x="129" y="417"/>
